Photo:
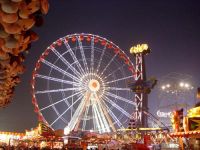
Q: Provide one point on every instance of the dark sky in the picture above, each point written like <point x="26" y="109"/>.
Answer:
<point x="171" y="28"/>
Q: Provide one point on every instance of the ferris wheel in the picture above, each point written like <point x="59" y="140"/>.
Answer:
<point x="80" y="83"/>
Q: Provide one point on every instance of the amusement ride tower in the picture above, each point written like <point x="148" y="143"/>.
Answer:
<point x="141" y="87"/>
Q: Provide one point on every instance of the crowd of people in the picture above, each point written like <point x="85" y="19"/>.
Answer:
<point x="17" y="18"/>
<point x="28" y="148"/>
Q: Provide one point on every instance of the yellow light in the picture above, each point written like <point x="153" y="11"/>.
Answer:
<point x="145" y="46"/>
<point x="139" y="48"/>
<point x="194" y="112"/>
<point x="132" y="50"/>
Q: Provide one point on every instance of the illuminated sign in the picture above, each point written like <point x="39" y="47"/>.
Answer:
<point x="163" y="114"/>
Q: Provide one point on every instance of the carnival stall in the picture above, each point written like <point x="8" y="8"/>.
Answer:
<point x="40" y="137"/>
<point x="187" y="129"/>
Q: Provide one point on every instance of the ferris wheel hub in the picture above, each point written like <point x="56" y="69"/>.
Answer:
<point x="94" y="85"/>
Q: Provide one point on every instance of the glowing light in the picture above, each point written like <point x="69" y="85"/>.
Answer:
<point x="163" y="87"/>
<point x="163" y="114"/>
<point x="140" y="48"/>
<point x="66" y="130"/>
<point x="94" y="85"/>
<point x="181" y="84"/>
<point x="145" y="46"/>
<point x="186" y="85"/>
<point x="3" y="136"/>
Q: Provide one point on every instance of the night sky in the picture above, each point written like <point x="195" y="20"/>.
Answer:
<point x="171" y="28"/>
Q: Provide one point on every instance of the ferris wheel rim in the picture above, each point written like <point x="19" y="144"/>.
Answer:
<point x="45" y="53"/>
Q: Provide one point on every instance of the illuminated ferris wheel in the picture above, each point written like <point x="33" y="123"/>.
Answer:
<point x="80" y="83"/>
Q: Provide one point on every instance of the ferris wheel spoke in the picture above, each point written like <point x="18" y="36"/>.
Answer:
<point x="57" y="90"/>
<point x="66" y="62"/>
<point x="95" y="119"/>
<point x="77" y="114"/>
<point x="101" y="57"/>
<point x="120" y="98"/>
<point x="85" y="117"/>
<point x="105" y="115"/>
<point x="109" y="63"/>
<point x="113" y="115"/>
<point x="56" y="79"/>
<point x="60" y="70"/>
<point x="124" y="78"/>
<point x="65" y="99"/>
<point x="74" y="57"/>
<point x="113" y="72"/>
<point x="97" y="122"/>
<point x="65" y="111"/>
<point x="85" y="107"/>
<point x="72" y="100"/>
<point x="82" y="54"/>
<point x="92" y="55"/>
<point x="101" y="127"/>
<point x="117" y="107"/>
<point x="118" y="89"/>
